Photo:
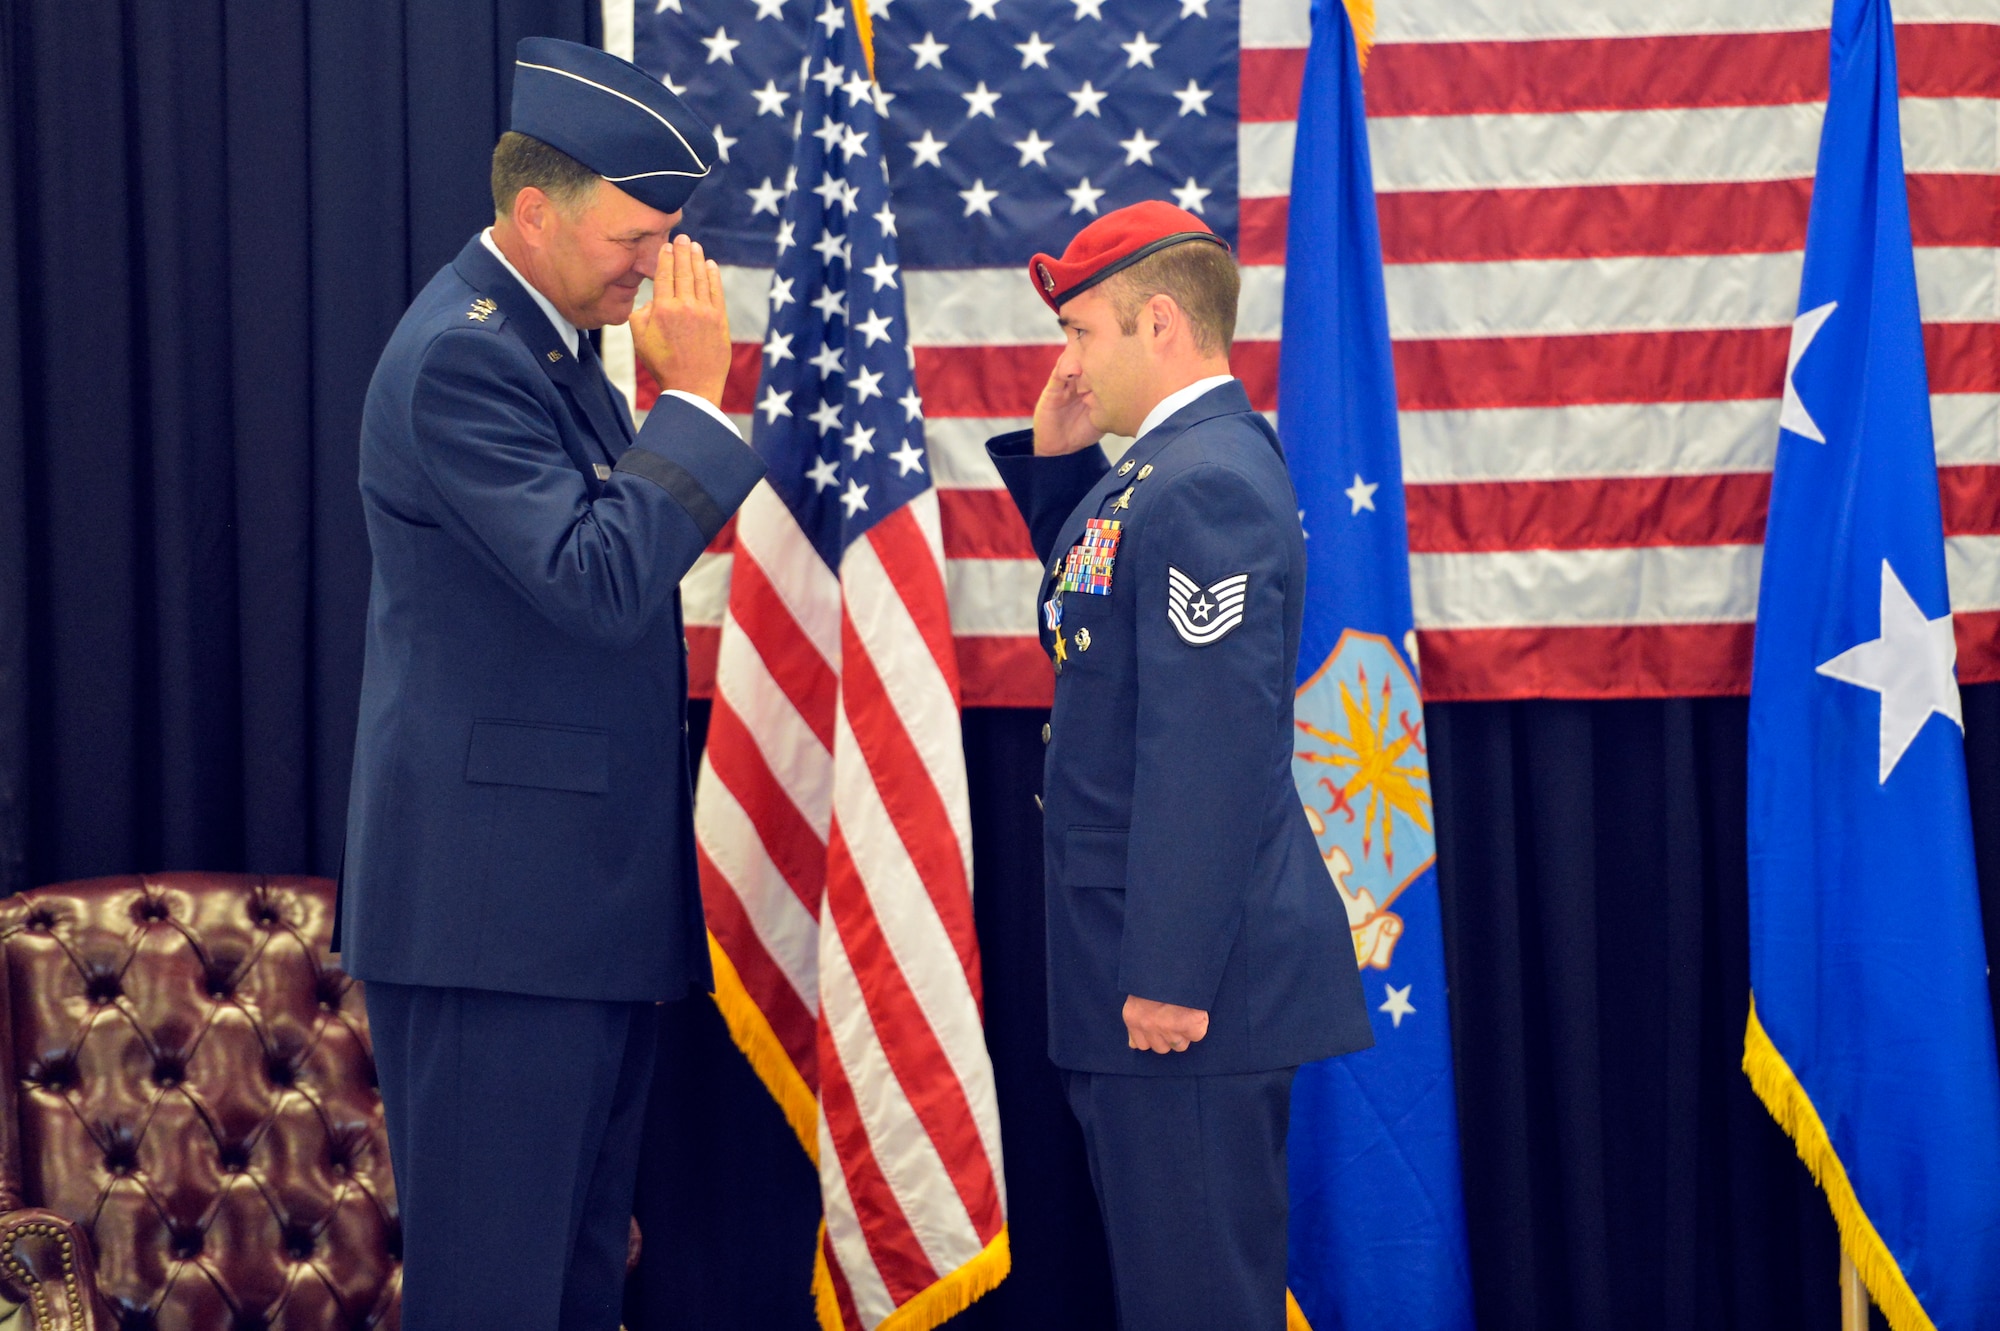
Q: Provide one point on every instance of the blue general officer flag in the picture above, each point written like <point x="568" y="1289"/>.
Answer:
<point x="1377" y="1224"/>
<point x="1870" y="1036"/>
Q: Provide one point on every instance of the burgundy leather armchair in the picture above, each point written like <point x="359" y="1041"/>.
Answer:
<point x="190" y="1135"/>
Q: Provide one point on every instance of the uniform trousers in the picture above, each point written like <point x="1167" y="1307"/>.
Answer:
<point x="514" y="1125"/>
<point x="1190" y="1181"/>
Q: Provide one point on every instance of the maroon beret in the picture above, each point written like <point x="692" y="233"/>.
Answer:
<point x="1113" y="243"/>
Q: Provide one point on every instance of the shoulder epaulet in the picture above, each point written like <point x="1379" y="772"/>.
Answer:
<point x="485" y="313"/>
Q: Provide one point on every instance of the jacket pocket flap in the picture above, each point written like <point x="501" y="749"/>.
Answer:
<point x="546" y="757"/>
<point x="1095" y="857"/>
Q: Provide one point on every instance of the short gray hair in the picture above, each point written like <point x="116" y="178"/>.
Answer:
<point x="520" y="162"/>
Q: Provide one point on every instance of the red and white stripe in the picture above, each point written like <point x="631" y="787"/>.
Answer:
<point x="1592" y="223"/>
<point x="835" y="842"/>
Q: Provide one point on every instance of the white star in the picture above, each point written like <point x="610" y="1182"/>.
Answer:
<point x="882" y="271"/>
<point x="781" y="292"/>
<point x="792" y="172"/>
<point x="827" y="361"/>
<point x="979" y="102"/>
<point x="908" y="458"/>
<point x="860" y="440"/>
<point x="785" y="232"/>
<point x="672" y="87"/>
<point x="773" y="405"/>
<point x="885" y="220"/>
<point x="664" y="5"/>
<point x="979" y="199"/>
<point x="1190" y="195"/>
<point x="1138" y="148"/>
<point x="930" y="51"/>
<point x="1086" y="99"/>
<point x="828" y="190"/>
<point x="981" y="9"/>
<point x="929" y="151"/>
<point x="1195" y="7"/>
<point x="875" y="328"/>
<point x="723" y="143"/>
<point x="829" y="133"/>
<point x="1194" y="100"/>
<point x="1792" y="413"/>
<point x="1088" y="9"/>
<point x="822" y="474"/>
<point x="1139" y="51"/>
<point x="766" y="8"/>
<point x="1398" y="1006"/>
<point x="878" y="8"/>
<point x="913" y="406"/>
<point x="830" y="75"/>
<point x="832" y="249"/>
<point x="778" y="346"/>
<point x="721" y="47"/>
<point x="770" y="99"/>
<point x="1202" y="606"/>
<point x="1034" y="149"/>
<point x="1034" y="51"/>
<point x="831" y="304"/>
<point x="1910" y="665"/>
<point x="853" y="144"/>
<point x="866" y="383"/>
<point x="854" y="498"/>
<point x="826" y="416"/>
<point x="764" y="198"/>
<point x="1361" y="494"/>
<point x="1084" y="198"/>
<point x="1302" y="525"/>
<point x="882" y="100"/>
<point x="858" y="89"/>
<point x="833" y="18"/>
<point x="850" y="198"/>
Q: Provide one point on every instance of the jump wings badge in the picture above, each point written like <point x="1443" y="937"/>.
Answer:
<point x="1202" y="615"/>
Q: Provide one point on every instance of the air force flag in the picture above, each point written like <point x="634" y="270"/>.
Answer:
<point x="1870" y="1036"/>
<point x="1377" y="1226"/>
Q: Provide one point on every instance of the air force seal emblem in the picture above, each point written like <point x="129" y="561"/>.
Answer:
<point x="1202" y="615"/>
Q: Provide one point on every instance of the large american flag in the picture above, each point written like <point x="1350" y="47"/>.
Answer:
<point x="1592" y="216"/>
<point x="831" y="817"/>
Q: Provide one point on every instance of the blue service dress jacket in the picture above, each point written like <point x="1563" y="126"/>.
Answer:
<point x="520" y="817"/>
<point x="1179" y="863"/>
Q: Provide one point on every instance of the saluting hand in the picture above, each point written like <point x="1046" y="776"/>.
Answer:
<point x="1062" y="417"/>
<point x="1164" y="1028"/>
<point x="682" y="336"/>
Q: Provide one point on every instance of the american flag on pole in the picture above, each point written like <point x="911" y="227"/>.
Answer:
<point x="831" y="815"/>
<point x="1592" y="217"/>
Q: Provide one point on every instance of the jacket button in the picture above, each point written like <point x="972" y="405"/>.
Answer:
<point x="1045" y="732"/>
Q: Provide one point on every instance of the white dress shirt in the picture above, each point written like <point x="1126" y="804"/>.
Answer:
<point x="1173" y="402"/>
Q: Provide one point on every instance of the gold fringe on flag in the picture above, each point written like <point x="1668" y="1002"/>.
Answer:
<point x="1772" y="1078"/>
<point x="1361" y="13"/>
<point x="937" y="1305"/>
<point x="752" y="1032"/>
<point x="1295" y="1316"/>
<point x="864" y="25"/>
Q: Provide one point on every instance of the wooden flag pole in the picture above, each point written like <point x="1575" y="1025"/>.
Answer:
<point x="1853" y="1297"/>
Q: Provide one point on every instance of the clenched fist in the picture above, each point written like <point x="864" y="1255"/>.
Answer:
<point x="682" y="335"/>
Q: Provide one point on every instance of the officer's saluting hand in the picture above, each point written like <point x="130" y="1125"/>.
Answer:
<point x="1198" y="952"/>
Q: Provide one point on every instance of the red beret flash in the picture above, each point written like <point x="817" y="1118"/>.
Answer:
<point x="1113" y="243"/>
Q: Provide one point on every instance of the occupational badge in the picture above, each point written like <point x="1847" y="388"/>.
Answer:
<point x="1202" y="615"/>
<point x="482" y="310"/>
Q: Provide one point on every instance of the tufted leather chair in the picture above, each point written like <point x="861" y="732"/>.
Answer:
<point x="190" y="1136"/>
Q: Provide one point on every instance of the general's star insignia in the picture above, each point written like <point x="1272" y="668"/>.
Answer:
<point x="1202" y="615"/>
<point x="482" y="310"/>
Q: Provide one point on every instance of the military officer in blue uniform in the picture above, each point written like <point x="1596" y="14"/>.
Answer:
<point x="519" y="887"/>
<point x="1197" y="951"/>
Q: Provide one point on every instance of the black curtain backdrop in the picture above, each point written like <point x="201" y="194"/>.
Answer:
<point x="211" y="215"/>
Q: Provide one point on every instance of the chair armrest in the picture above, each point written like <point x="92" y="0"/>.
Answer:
<point x="46" y="1264"/>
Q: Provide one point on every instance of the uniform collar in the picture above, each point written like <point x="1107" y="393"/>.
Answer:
<point x="564" y="328"/>
<point x="1174" y="401"/>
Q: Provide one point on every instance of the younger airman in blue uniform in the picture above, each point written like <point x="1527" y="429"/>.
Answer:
<point x="1197" y="950"/>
